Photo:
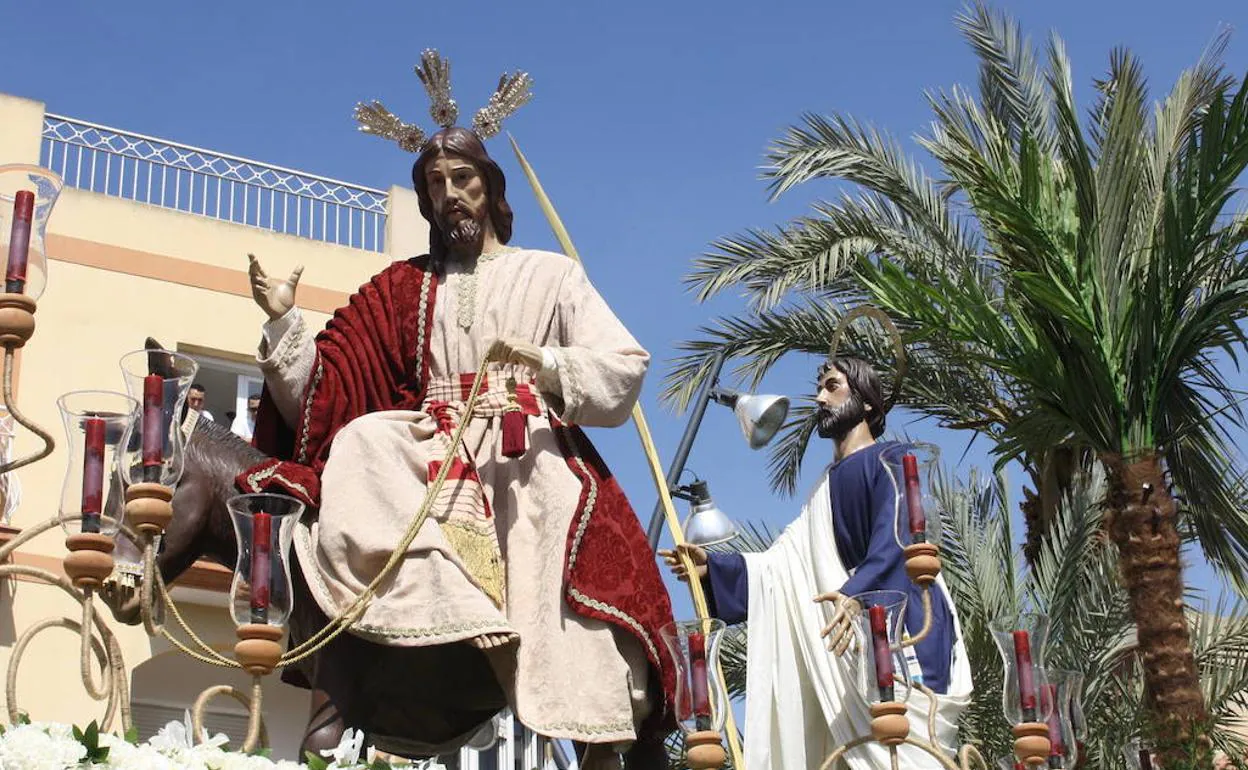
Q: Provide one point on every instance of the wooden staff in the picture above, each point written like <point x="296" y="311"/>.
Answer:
<point x="652" y="458"/>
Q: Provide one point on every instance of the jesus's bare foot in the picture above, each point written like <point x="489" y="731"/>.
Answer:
<point x="493" y="641"/>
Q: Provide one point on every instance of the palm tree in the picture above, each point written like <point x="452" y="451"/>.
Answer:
<point x="1074" y="580"/>
<point x="1064" y="291"/>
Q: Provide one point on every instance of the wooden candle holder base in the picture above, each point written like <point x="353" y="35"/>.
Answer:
<point x="258" y="648"/>
<point x="889" y="724"/>
<point x="1031" y="743"/>
<point x="922" y="563"/>
<point x="17" y="319"/>
<point x="90" y="559"/>
<point x="149" y="508"/>
<point x="704" y="750"/>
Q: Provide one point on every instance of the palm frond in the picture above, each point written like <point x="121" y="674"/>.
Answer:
<point x="839" y="147"/>
<point x="1010" y="80"/>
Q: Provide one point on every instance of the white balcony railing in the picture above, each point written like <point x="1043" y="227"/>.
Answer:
<point x="518" y="748"/>
<point x="211" y="184"/>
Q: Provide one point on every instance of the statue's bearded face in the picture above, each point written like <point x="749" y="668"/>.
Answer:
<point x="460" y="200"/>
<point x="840" y="408"/>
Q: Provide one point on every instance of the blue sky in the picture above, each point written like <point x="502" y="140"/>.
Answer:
<point x="648" y="126"/>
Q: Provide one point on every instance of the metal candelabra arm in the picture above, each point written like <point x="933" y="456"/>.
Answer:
<point x="911" y="641"/>
<point x="257" y="733"/>
<point x="48" y="442"/>
<point x="97" y="638"/>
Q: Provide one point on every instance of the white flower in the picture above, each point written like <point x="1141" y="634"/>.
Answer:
<point x="122" y="754"/>
<point x="347" y="753"/>
<point x="177" y="736"/>
<point x="40" y="747"/>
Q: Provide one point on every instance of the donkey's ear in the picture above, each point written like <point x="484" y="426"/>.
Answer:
<point x="159" y="360"/>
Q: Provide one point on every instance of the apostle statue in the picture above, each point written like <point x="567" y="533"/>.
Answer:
<point x="532" y="566"/>
<point x="803" y="693"/>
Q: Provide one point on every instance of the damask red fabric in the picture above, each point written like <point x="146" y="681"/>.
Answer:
<point x="610" y="573"/>
<point x="369" y="359"/>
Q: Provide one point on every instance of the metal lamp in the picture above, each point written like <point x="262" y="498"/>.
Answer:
<point x="706" y="524"/>
<point x="759" y="416"/>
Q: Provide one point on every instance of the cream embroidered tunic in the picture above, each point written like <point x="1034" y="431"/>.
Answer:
<point x="569" y="677"/>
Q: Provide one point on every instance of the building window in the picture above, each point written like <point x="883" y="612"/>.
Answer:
<point x="229" y="381"/>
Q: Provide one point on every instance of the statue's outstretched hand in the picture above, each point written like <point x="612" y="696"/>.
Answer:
<point x="840" y="632"/>
<point x="274" y="297"/>
<point x="697" y="555"/>
<point x="516" y="351"/>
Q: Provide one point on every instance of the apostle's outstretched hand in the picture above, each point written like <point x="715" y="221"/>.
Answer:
<point x="840" y="632"/>
<point x="515" y="351"/>
<point x="275" y="297"/>
<point x="697" y="555"/>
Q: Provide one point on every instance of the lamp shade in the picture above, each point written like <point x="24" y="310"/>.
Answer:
<point x="98" y="423"/>
<point x="910" y="467"/>
<point x="706" y="524"/>
<point x="27" y="195"/>
<point x="701" y="704"/>
<point x="158" y="380"/>
<point x="264" y="525"/>
<point x="760" y="417"/>
<point x="880" y="626"/>
<point x="1021" y="639"/>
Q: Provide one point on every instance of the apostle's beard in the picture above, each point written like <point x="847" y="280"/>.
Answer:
<point x="465" y="237"/>
<point x="836" y="422"/>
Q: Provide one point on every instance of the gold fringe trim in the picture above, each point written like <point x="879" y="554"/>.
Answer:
<point x="478" y="550"/>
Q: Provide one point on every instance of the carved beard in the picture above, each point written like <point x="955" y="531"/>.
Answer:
<point x="836" y="422"/>
<point x="465" y="237"/>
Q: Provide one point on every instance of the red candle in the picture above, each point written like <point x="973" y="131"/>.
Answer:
<point x="19" y="242"/>
<point x="700" y="682"/>
<point x="1057" y="743"/>
<point x="261" y="553"/>
<point x="914" y="497"/>
<point x="153" y="443"/>
<point x="93" y="475"/>
<point x="1026" y="677"/>
<point x="883" y="651"/>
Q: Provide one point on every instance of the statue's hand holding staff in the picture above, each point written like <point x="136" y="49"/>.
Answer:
<point x="840" y="632"/>
<point x="697" y="557"/>
<point x="515" y="351"/>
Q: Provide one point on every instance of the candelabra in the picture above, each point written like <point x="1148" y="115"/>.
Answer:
<point x="125" y="460"/>
<point x="1041" y="703"/>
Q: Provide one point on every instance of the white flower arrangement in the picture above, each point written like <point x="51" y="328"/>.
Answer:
<point x="54" y="746"/>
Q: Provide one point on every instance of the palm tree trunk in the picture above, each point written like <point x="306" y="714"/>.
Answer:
<point x="1141" y="516"/>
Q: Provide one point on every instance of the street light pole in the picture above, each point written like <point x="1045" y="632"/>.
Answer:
<point x="655" y="530"/>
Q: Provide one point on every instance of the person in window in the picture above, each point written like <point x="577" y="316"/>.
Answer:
<point x="244" y="425"/>
<point x="195" y="400"/>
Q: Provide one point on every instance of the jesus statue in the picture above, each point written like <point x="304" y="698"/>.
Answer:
<point x="532" y="565"/>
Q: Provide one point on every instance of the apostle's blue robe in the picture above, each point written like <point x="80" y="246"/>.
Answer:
<point x="863" y="506"/>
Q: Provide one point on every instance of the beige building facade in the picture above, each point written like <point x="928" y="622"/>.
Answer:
<point x="150" y="238"/>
